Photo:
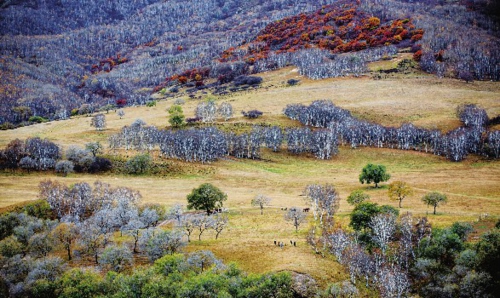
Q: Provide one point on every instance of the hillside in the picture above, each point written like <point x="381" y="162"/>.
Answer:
<point x="283" y="148"/>
<point x="76" y="62"/>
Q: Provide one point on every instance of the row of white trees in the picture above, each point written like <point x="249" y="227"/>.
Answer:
<point x="209" y="143"/>
<point x="455" y="145"/>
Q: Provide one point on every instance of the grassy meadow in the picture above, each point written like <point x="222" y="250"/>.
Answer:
<point x="472" y="186"/>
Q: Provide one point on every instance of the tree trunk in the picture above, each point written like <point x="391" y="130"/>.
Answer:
<point x="135" y="245"/>
<point x="69" y="253"/>
<point x="400" y="202"/>
<point x="435" y="209"/>
<point x="261" y="210"/>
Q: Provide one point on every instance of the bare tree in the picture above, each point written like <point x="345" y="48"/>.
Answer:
<point x="407" y="239"/>
<point x="56" y="194"/>
<point x="261" y="200"/>
<point x="149" y="216"/>
<point x="176" y="213"/>
<point x="206" y="111"/>
<point x="116" y="258"/>
<point x="91" y="240"/>
<point x="338" y="242"/>
<point x="187" y="225"/>
<point x="383" y="226"/>
<point x="156" y="243"/>
<point x="133" y="228"/>
<point x="124" y="212"/>
<point x="296" y="216"/>
<point x="98" y="121"/>
<point x="219" y="223"/>
<point x="324" y="201"/>
<point x="225" y="111"/>
<point x="202" y="223"/>
<point x="393" y="282"/>
<point x="201" y="260"/>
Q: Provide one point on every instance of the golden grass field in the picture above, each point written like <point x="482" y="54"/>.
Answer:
<point x="472" y="186"/>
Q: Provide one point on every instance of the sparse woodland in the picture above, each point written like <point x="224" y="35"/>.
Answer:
<point x="62" y="59"/>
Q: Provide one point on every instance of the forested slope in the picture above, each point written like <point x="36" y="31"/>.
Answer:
<point x="59" y="57"/>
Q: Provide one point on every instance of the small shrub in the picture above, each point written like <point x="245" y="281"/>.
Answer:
<point x="37" y="119"/>
<point x="193" y="120"/>
<point x="247" y="80"/>
<point x="292" y="82"/>
<point x="179" y="102"/>
<point x="138" y="164"/>
<point x="151" y="103"/>
<point x="252" y="114"/>
<point x="65" y="167"/>
<point x="100" y="164"/>
<point x="116" y="258"/>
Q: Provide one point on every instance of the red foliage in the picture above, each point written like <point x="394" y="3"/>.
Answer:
<point x="416" y="37"/>
<point x="417" y="56"/>
<point x="182" y="80"/>
<point x="121" y="102"/>
<point x="108" y="64"/>
<point x="340" y="27"/>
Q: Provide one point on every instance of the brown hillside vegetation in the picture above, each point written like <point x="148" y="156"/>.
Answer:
<point x="472" y="186"/>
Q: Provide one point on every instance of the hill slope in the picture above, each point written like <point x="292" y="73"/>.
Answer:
<point x="91" y="53"/>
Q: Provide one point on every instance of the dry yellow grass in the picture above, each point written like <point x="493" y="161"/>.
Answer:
<point x="473" y="186"/>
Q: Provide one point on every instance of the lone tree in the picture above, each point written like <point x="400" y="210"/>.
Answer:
<point x="398" y="190"/>
<point x="373" y="173"/>
<point x="206" y="197"/>
<point x="176" y="116"/>
<point x="434" y="199"/>
<point x="261" y="200"/>
<point x="357" y="197"/>
<point x="98" y="121"/>
<point x="296" y="216"/>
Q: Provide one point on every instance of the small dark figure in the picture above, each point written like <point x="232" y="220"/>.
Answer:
<point x="274" y="242"/>
<point x="294" y="243"/>
<point x="291" y="242"/>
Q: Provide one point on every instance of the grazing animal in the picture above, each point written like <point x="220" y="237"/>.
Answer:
<point x="306" y="209"/>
